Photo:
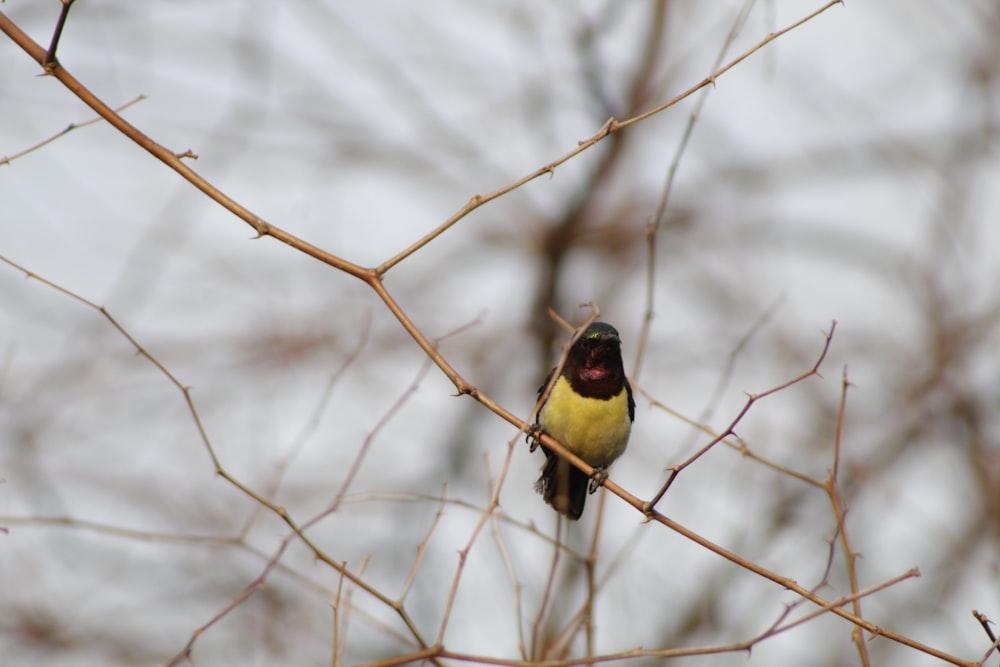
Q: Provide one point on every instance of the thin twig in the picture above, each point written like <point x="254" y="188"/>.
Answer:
<point x="731" y="441"/>
<point x="7" y="159"/>
<point x="311" y="424"/>
<point x="839" y="511"/>
<point x="337" y="641"/>
<point x="239" y="599"/>
<point x="751" y="399"/>
<point x="726" y="375"/>
<point x="653" y="229"/>
<point x="508" y="563"/>
<point x="985" y="622"/>
<point x="50" y="60"/>
<point x="463" y="555"/>
<point x="372" y="277"/>
<point x="422" y="547"/>
<point x="536" y="628"/>
<point x="119" y="531"/>
<point x="610" y="127"/>
<point x="220" y="470"/>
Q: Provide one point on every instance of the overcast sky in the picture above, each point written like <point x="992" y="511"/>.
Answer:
<point x="846" y="171"/>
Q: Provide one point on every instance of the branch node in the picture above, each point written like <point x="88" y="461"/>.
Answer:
<point x="985" y="622"/>
<point x="466" y="389"/>
<point x="262" y="229"/>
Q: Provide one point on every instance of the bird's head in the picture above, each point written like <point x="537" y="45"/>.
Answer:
<point x="596" y="356"/>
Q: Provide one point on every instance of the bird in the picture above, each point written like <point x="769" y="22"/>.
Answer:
<point x="590" y="411"/>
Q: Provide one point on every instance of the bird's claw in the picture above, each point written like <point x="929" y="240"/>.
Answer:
<point x="532" y="435"/>
<point x="597" y="479"/>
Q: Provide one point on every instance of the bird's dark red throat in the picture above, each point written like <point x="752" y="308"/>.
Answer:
<point x="595" y="368"/>
<point x="594" y="373"/>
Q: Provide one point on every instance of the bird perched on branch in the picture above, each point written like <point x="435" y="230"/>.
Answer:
<point x="590" y="411"/>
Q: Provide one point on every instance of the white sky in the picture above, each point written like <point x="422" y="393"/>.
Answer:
<point x="824" y="174"/>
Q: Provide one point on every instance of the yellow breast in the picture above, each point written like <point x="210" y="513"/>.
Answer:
<point x="596" y="430"/>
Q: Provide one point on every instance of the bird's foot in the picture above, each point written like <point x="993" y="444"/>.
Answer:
<point x="598" y="478"/>
<point x="532" y="435"/>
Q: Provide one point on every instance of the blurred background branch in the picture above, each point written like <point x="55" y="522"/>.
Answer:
<point x="844" y="172"/>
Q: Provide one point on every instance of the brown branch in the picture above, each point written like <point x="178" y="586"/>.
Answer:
<point x="653" y="228"/>
<point x="739" y="445"/>
<point x="642" y="506"/>
<point x="751" y="399"/>
<point x="337" y="642"/>
<point x="536" y="627"/>
<point x="219" y="469"/>
<point x="50" y="56"/>
<point x="464" y="553"/>
<point x="840" y="602"/>
<point x="794" y="586"/>
<point x="311" y="424"/>
<point x="609" y="128"/>
<point x="985" y="622"/>
<point x="120" y="531"/>
<point x="172" y="159"/>
<point x="676" y="652"/>
<point x="839" y="511"/>
<point x="508" y="565"/>
<point x="422" y="547"/>
<point x="244" y="595"/>
<point x="373" y="278"/>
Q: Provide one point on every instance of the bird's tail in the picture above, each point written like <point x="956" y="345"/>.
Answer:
<point x="563" y="486"/>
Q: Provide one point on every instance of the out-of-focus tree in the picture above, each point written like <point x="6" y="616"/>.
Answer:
<point x="220" y="448"/>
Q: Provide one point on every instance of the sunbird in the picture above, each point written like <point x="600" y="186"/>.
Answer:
<point x="590" y="411"/>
